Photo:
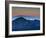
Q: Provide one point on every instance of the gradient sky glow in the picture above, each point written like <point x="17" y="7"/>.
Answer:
<point x="16" y="11"/>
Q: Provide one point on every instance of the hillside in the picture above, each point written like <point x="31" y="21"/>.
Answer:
<point x="21" y="24"/>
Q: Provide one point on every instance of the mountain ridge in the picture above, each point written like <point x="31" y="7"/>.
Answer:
<point x="23" y="24"/>
<point x="26" y="17"/>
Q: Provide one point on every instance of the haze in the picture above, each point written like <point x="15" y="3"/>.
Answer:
<point x="16" y="11"/>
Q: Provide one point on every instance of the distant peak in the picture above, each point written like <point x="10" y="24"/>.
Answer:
<point x="20" y="19"/>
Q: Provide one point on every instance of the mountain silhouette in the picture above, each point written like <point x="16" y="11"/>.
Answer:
<point x="21" y="23"/>
<point x="20" y="19"/>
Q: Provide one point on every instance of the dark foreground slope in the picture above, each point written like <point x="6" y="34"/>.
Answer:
<point x="21" y="24"/>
